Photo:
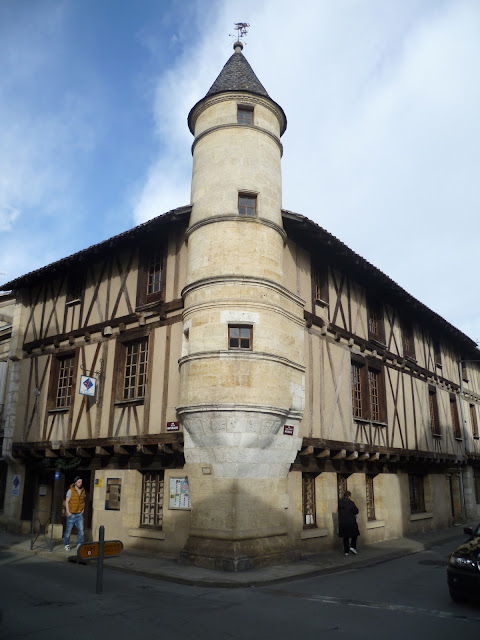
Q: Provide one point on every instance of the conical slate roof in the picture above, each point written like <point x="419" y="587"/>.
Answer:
<point x="237" y="75"/>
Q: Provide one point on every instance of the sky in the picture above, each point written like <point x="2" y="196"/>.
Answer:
<point x="382" y="147"/>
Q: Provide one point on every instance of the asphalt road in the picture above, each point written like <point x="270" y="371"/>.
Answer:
<point x="401" y="599"/>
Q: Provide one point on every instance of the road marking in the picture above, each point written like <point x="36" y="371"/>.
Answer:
<point x="367" y="604"/>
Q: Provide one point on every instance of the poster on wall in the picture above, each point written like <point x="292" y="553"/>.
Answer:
<point x="113" y="494"/>
<point x="179" y="494"/>
<point x="16" y="485"/>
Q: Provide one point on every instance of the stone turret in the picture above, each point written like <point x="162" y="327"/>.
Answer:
<point x="242" y="365"/>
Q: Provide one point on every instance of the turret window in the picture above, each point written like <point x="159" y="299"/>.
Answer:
<point x="247" y="204"/>
<point x="244" y="115"/>
<point x="240" y="337"/>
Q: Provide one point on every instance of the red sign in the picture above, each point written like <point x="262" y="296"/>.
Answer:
<point x="173" y="426"/>
<point x="288" y="429"/>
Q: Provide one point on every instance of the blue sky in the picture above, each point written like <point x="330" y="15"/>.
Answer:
<point x="382" y="146"/>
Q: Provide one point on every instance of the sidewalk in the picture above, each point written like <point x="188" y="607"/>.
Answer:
<point x="322" y="563"/>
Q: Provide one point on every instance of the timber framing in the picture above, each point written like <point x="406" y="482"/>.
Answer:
<point x="317" y="455"/>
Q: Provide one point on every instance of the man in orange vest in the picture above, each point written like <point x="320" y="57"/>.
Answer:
<point x="74" y="506"/>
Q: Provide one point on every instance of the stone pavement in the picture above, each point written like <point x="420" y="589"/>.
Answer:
<point x="330" y="561"/>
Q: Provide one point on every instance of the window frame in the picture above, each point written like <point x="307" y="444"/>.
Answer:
<point x="457" y="433"/>
<point x="250" y="337"/>
<point x="158" y="502"/>
<point x="363" y="372"/>
<point x="244" y="109"/>
<point x="145" y="257"/>
<point x="375" y="320"/>
<point x="319" y="283"/>
<point x="247" y="195"/>
<point x="416" y="492"/>
<point x="474" y="421"/>
<point x="309" y="500"/>
<point x="370" y="496"/>
<point x="133" y="337"/>
<point x="54" y="382"/>
<point x="408" y="339"/>
<point x="342" y="484"/>
<point x="433" y="412"/>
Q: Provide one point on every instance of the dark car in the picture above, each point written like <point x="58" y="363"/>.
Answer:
<point x="463" y="571"/>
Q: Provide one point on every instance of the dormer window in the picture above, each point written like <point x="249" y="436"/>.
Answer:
<point x="244" y="115"/>
<point x="75" y="287"/>
<point x="247" y="204"/>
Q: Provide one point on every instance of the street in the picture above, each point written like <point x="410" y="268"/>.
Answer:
<point x="405" y="598"/>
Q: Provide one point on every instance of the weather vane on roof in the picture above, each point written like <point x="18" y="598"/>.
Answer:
<point x="241" y="29"/>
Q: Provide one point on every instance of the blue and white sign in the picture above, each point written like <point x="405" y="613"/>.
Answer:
<point x="88" y="386"/>
<point x="16" y="482"/>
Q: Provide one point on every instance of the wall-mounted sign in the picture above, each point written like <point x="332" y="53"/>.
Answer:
<point x="42" y="490"/>
<point x="179" y="494"/>
<point x="288" y="429"/>
<point x="112" y="497"/>
<point x="173" y="426"/>
<point x="88" y="386"/>
<point x="56" y="475"/>
<point x="98" y="482"/>
<point x="16" y="481"/>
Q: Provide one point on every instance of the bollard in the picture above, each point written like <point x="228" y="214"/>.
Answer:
<point x="101" y="542"/>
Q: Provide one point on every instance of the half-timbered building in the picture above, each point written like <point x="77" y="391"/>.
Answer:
<point x="221" y="373"/>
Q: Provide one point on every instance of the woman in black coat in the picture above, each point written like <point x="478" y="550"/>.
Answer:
<point x="347" y="523"/>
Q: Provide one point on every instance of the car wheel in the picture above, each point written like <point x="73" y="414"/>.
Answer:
<point x="455" y="596"/>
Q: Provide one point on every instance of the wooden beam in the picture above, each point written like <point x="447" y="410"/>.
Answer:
<point x="352" y="456"/>
<point x="307" y="451"/>
<point x="164" y="448"/>
<point x="147" y="450"/>
<point x="385" y="457"/>
<point x="120" y="450"/>
<point x="102" y="452"/>
<point x="67" y="453"/>
<point x="84" y="453"/>
<point x="363" y="456"/>
<point x="323" y="453"/>
<point x="340" y="455"/>
<point x="374" y="457"/>
<point x="50" y="453"/>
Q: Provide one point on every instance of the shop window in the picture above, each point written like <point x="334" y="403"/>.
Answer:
<point x="152" y="500"/>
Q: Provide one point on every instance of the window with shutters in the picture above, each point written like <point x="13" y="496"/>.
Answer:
<point x="433" y="407"/>
<point x="455" y="420"/>
<point x="416" y="491"/>
<point x="308" y="500"/>
<point x="152" y="500"/>
<point x="473" y="420"/>
<point x="244" y="114"/>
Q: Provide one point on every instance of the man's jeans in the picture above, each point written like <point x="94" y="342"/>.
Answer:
<point x="75" y="520"/>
